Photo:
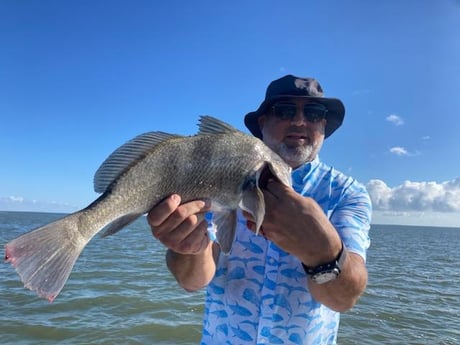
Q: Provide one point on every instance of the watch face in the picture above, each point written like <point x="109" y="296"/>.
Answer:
<point x="324" y="277"/>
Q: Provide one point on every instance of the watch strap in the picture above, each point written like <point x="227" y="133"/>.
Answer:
<point x="336" y="264"/>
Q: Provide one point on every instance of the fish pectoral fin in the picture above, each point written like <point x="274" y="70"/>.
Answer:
<point x="253" y="202"/>
<point x="226" y="228"/>
<point x="119" y="224"/>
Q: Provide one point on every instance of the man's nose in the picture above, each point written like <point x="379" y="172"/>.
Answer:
<point x="299" y="118"/>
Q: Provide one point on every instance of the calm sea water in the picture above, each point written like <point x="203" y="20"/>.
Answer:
<point x="120" y="292"/>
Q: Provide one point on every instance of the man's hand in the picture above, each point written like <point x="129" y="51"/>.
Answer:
<point x="298" y="225"/>
<point x="181" y="228"/>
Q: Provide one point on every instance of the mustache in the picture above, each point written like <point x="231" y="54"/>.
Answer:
<point x="296" y="131"/>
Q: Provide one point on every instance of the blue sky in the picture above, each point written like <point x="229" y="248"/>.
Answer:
<point x="79" y="78"/>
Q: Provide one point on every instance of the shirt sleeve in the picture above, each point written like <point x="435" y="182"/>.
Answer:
<point x="351" y="217"/>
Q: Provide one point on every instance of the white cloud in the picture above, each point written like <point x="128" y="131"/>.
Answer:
<point x="416" y="196"/>
<point x="17" y="199"/>
<point x="399" y="151"/>
<point x="395" y="119"/>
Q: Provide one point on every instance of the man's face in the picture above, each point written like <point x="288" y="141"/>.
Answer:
<point x="295" y="133"/>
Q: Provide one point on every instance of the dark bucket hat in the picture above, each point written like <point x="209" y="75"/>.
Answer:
<point x="290" y="86"/>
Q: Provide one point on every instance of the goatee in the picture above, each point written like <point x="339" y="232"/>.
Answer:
<point x="293" y="155"/>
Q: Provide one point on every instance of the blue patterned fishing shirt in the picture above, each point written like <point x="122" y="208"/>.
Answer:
<point x="259" y="294"/>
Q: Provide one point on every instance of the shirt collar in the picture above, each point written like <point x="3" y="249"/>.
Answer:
<point x="303" y="171"/>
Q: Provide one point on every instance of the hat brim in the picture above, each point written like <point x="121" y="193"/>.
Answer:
<point x="334" y="116"/>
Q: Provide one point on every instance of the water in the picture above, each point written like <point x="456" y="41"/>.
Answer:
<point x="121" y="292"/>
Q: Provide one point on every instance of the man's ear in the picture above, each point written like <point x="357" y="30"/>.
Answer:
<point x="261" y="121"/>
<point x="324" y="126"/>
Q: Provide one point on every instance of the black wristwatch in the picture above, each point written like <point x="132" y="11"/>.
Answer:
<point x="327" y="272"/>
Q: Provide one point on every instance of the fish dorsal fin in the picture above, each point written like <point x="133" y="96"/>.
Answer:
<point x="126" y="156"/>
<point x="211" y="125"/>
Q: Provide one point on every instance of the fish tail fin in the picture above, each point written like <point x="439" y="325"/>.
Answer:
<point x="45" y="256"/>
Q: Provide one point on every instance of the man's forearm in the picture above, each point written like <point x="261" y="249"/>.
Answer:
<point x="192" y="272"/>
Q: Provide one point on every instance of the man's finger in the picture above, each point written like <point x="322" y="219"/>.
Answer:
<point x="189" y="211"/>
<point x="163" y="210"/>
<point x="277" y="189"/>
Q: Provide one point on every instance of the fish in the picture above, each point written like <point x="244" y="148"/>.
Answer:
<point x="219" y="163"/>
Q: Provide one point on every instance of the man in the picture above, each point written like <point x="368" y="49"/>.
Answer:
<point x="288" y="284"/>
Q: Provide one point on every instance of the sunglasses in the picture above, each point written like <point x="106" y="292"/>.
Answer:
<point x="313" y="112"/>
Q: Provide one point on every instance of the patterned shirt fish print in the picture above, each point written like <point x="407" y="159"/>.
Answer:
<point x="259" y="294"/>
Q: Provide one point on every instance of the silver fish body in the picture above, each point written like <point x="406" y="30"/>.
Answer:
<point x="220" y="164"/>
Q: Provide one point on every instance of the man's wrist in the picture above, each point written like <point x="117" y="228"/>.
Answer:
<point x="327" y="271"/>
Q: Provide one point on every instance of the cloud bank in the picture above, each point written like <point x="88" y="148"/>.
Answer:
<point x="416" y="203"/>
<point x="416" y="196"/>
<point x="19" y="203"/>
